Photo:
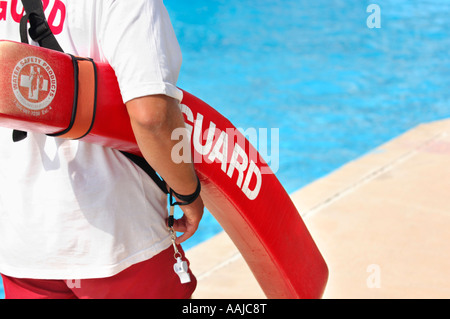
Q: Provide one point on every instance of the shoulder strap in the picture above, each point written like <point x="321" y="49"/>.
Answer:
<point x="145" y="166"/>
<point x="39" y="29"/>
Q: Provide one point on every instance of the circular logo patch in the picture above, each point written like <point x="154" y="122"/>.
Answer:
<point x="34" y="83"/>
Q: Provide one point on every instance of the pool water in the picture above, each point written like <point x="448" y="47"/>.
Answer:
<point x="334" y="87"/>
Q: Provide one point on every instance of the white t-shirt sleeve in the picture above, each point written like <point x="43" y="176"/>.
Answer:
<point x="138" y="40"/>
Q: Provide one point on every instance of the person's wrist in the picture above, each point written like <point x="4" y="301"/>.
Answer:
<point x="185" y="199"/>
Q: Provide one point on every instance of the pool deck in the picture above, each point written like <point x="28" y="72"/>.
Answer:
<point x="382" y="223"/>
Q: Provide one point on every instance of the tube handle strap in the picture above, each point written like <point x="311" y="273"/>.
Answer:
<point x="85" y="100"/>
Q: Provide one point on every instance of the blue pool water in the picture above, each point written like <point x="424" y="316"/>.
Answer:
<point x="335" y="88"/>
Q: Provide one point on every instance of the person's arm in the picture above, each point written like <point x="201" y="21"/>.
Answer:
<point x="153" y="119"/>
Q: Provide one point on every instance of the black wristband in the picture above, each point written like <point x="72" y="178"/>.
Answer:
<point x="185" y="199"/>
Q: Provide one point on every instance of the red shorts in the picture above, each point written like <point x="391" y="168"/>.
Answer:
<point x="150" y="279"/>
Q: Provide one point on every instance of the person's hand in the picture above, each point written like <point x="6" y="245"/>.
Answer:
<point x="188" y="223"/>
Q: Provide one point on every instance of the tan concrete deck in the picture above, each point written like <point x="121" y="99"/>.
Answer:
<point x="382" y="223"/>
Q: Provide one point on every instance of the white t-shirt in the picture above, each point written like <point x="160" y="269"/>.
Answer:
<point x="73" y="210"/>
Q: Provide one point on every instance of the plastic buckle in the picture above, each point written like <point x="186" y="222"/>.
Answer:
<point x="41" y="29"/>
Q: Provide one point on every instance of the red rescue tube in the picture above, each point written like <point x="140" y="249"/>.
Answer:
<point x="38" y="87"/>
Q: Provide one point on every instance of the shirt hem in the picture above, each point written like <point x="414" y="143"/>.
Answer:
<point x="85" y="272"/>
<point x="146" y="89"/>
